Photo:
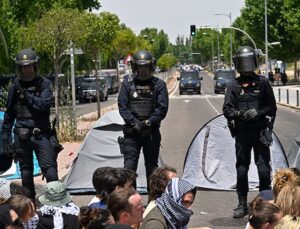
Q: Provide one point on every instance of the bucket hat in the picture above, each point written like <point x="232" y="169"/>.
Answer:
<point x="55" y="194"/>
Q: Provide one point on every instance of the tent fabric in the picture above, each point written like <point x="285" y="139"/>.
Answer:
<point x="294" y="153"/>
<point x="14" y="171"/>
<point x="100" y="148"/>
<point x="210" y="159"/>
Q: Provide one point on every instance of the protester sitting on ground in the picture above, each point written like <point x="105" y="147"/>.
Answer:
<point x="263" y="214"/>
<point x="173" y="207"/>
<point x="280" y="179"/>
<point x="106" y="180"/>
<point x="158" y="182"/>
<point x="94" y="218"/>
<point x="8" y="188"/>
<point x="288" y="222"/>
<point x="289" y="200"/>
<point x="57" y="211"/>
<point x="9" y="219"/>
<point x="125" y="204"/>
<point x="25" y="209"/>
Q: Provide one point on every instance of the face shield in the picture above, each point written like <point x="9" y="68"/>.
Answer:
<point x="27" y="72"/>
<point x="143" y="72"/>
<point x="245" y="62"/>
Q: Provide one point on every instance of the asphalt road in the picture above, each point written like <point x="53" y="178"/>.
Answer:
<point x="187" y="114"/>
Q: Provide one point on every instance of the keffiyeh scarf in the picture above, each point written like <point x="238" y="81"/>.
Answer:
<point x="176" y="215"/>
<point x="56" y="212"/>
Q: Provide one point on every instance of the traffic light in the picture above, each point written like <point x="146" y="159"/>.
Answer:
<point x="193" y="30"/>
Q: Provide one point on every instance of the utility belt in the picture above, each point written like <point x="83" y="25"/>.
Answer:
<point x="26" y="133"/>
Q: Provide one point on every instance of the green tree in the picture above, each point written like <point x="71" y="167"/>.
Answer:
<point x="97" y="36"/>
<point x="124" y="43"/>
<point x="52" y="34"/>
<point x="166" y="61"/>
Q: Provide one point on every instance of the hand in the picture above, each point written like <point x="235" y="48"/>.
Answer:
<point x="139" y="127"/>
<point x="250" y="114"/>
<point x="8" y="149"/>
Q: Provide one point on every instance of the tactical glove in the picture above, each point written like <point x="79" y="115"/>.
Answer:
<point x="250" y="114"/>
<point x="139" y="127"/>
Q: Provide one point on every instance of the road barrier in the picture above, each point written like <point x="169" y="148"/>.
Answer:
<point x="290" y="97"/>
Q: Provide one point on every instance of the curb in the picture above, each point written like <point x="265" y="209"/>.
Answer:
<point x="288" y="105"/>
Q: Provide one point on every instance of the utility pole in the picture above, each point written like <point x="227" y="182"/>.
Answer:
<point x="73" y="84"/>
<point x="266" y="39"/>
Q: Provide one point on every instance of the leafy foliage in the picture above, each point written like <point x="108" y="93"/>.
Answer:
<point x="166" y="61"/>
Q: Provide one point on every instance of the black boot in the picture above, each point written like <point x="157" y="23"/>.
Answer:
<point x="242" y="208"/>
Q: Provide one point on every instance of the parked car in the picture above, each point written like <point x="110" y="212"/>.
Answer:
<point x="190" y="81"/>
<point x="222" y="78"/>
<point x="86" y="89"/>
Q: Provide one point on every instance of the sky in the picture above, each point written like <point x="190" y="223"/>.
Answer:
<point x="172" y="16"/>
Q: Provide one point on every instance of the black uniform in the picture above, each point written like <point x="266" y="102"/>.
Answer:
<point x="245" y="93"/>
<point x="28" y="109"/>
<point x="141" y="100"/>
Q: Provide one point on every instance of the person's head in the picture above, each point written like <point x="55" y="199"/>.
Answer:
<point x="9" y="219"/>
<point x="288" y="222"/>
<point x="27" y="64"/>
<point x="176" y="201"/>
<point x="159" y="180"/>
<point x="125" y="204"/>
<point x="94" y="218"/>
<point x="55" y="194"/>
<point x="263" y="214"/>
<point x="283" y="177"/>
<point x="107" y="179"/>
<point x="289" y="200"/>
<point x="245" y="60"/>
<point x="25" y="209"/>
<point x="143" y="64"/>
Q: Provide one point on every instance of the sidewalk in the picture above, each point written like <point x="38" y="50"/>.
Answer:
<point x="287" y="95"/>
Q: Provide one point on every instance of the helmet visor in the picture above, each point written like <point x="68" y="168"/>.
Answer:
<point x="25" y="62"/>
<point x="245" y="62"/>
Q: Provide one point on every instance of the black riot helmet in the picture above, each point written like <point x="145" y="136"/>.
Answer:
<point x="26" y="58"/>
<point x="142" y="59"/>
<point x="245" y="59"/>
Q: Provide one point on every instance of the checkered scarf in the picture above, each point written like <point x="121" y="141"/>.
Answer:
<point x="56" y="212"/>
<point x="31" y="223"/>
<point x="170" y="205"/>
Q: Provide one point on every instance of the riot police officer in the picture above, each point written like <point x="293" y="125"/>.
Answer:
<point x="28" y="115"/>
<point x="143" y="104"/>
<point x="249" y="100"/>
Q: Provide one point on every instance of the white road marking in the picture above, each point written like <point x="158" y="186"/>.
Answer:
<point x="212" y="106"/>
<point x="203" y="96"/>
<point x="187" y="100"/>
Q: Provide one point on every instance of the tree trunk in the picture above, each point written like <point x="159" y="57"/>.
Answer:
<point x="56" y="68"/>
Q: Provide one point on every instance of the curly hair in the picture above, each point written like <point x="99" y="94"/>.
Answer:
<point x="283" y="177"/>
<point x="289" y="200"/>
<point x="290" y="222"/>
<point x="158" y="181"/>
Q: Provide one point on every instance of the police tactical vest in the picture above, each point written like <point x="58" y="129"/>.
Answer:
<point x="248" y="94"/>
<point x="142" y="99"/>
<point x="21" y="107"/>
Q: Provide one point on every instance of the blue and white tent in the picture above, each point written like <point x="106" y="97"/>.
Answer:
<point x="13" y="171"/>
<point x="210" y="159"/>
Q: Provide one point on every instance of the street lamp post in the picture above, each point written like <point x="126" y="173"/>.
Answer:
<point x="229" y="16"/>
<point x="266" y="40"/>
